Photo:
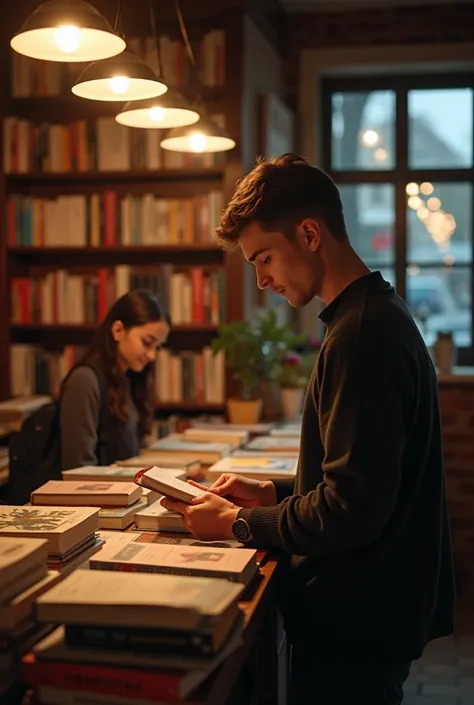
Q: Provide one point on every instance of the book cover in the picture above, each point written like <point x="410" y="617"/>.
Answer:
<point x="61" y="526"/>
<point x="18" y="554"/>
<point x="137" y="599"/>
<point x="256" y="467"/>
<point x="91" y="493"/>
<point x="238" y="565"/>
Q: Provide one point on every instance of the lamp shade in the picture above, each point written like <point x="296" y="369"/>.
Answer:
<point x="120" y="78"/>
<point x="204" y="136"/>
<point x="67" y="30"/>
<point x="169" y="110"/>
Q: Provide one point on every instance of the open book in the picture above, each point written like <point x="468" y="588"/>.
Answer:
<point x="160" y="480"/>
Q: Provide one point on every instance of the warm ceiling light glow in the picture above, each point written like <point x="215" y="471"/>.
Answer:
<point x="119" y="84"/>
<point x="380" y="154"/>
<point x="449" y="259"/>
<point x="412" y="189"/>
<point x="203" y="136"/>
<point x="67" y="30"/>
<point x="122" y="78"/>
<point x="169" y="110"/>
<point x="68" y="38"/>
<point x="426" y="188"/>
<point x="370" y="138"/>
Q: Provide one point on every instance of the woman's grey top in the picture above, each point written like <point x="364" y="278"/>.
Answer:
<point x="90" y="433"/>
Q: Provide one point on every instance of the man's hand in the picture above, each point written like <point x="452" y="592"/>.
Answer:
<point x="208" y="518"/>
<point x="245" y="492"/>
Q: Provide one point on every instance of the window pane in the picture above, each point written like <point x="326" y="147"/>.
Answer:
<point x="440" y="128"/>
<point x="363" y="130"/>
<point x="440" y="300"/>
<point x="369" y="210"/>
<point x="439" y="223"/>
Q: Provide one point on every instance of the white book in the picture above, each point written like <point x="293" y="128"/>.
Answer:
<point x="157" y="518"/>
<point x="162" y="481"/>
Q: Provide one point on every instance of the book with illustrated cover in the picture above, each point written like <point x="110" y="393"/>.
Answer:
<point x="256" y="467"/>
<point x="92" y="493"/>
<point x="160" y="480"/>
<point x="273" y="445"/>
<point x="235" y="564"/>
<point x="157" y="518"/>
<point x="63" y="527"/>
<point x="107" y="598"/>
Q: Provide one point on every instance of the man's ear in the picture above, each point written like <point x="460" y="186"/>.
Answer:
<point x="117" y="330"/>
<point x="311" y="233"/>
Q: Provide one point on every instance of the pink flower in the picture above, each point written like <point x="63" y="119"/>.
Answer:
<point x="314" y="343"/>
<point x="293" y="359"/>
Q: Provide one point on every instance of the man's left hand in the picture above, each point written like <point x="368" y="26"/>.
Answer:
<point x="208" y="518"/>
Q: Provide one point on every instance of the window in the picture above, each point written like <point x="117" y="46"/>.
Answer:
<point x="401" y="151"/>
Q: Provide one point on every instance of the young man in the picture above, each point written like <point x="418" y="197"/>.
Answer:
<point x="365" y="525"/>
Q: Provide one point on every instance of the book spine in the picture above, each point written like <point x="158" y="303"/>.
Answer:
<point x="170" y="641"/>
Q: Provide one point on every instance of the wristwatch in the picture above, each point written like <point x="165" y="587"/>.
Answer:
<point x="241" y="530"/>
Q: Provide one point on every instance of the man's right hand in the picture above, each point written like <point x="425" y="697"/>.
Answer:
<point x="245" y="492"/>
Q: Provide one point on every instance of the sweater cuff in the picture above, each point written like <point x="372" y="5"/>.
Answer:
<point x="264" y="525"/>
<point x="284" y="488"/>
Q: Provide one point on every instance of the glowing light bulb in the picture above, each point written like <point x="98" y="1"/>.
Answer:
<point x="197" y="141"/>
<point x="415" y="202"/>
<point x="426" y="188"/>
<point x="119" y="84"/>
<point x="370" y="138"/>
<point x="433" y="203"/>
<point x="412" y="189"/>
<point x="68" y="38"/>
<point x="156" y="114"/>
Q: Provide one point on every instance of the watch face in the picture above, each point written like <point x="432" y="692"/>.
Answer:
<point x="241" y="530"/>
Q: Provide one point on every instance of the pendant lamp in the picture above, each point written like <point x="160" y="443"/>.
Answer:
<point x="67" y="30"/>
<point x="121" y="78"/>
<point x="204" y="136"/>
<point x="169" y="110"/>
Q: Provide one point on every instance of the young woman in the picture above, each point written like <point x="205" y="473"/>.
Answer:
<point x="107" y="399"/>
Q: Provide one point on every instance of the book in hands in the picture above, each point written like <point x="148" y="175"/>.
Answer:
<point x="160" y="480"/>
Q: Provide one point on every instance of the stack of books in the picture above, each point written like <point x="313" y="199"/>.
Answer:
<point x="232" y="436"/>
<point x="277" y="446"/>
<point x="118" y="501"/>
<point x="24" y="576"/>
<point x="186" y="450"/>
<point x="70" y="532"/>
<point x="14" y="411"/>
<point x="132" y="638"/>
<point x="157" y="518"/>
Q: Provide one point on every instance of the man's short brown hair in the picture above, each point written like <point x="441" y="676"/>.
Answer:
<point x="276" y="194"/>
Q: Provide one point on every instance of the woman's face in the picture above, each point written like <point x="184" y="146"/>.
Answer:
<point x="137" y="346"/>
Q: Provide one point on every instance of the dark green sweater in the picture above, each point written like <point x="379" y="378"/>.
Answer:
<point x="366" y="524"/>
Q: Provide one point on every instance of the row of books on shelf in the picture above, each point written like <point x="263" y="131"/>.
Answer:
<point x="97" y="145"/>
<point x="187" y="376"/>
<point x="108" y="219"/>
<point x="31" y="77"/>
<point x="192" y="295"/>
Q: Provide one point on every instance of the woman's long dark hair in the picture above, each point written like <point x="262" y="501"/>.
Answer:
<point x="136" y="308"/>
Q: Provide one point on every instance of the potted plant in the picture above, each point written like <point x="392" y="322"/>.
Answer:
<point x="252" y="354"/>
<point x="244" y="358"/>
<point x="293" y="376"/>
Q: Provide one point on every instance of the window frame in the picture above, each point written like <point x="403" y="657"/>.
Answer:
<point x="401" y="174"/>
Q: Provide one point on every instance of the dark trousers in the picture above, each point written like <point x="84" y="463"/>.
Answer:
<point x="314" y="681"/>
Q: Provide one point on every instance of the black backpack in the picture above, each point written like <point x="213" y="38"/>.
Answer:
<point x="34" y="453"/>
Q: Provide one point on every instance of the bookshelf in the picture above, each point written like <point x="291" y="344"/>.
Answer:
<point x="168" y="180"/>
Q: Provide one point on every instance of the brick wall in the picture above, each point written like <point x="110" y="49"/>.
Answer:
<point x="388" y="26"/>
<point x="457" y="410"/>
